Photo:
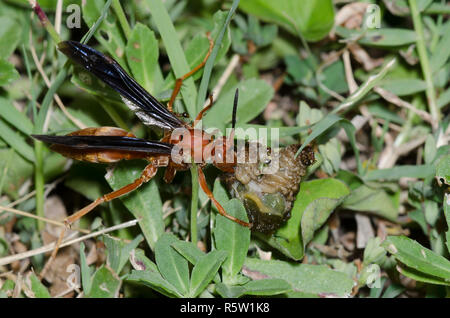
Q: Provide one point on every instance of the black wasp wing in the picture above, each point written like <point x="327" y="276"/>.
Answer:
<point x="149" y="110"/>
<point x="108" y="143"/>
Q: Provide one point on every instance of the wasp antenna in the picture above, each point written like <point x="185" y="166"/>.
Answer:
<point x="235" y="104"/>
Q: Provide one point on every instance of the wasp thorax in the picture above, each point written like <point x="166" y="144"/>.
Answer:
<point x="268" y="186"/>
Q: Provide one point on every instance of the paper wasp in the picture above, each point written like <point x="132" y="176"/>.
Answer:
<point x="111" y="144"/>
<point x="267" y="198"/>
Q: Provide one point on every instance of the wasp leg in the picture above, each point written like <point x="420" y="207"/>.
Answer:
<point x="180" y="80"/>
<point x="221" y="210"/>
<point x="202" y="112"/>
<point x="148" y="173"/>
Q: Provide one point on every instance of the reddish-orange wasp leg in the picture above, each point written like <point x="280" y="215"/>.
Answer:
<point x="180" y="80"/>
<point x="202" y="112"/>
<point x="148" y="173"/>
<point x="204" y="185"/>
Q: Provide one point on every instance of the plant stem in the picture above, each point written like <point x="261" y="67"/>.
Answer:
<point x="424" y="62"/>
<point x="210" y="62"/>
<point x="38" y="148"/>
<point x="177" y="58"/>
<point x="39" y="182"/>
<point x="45" y="21"/>
<point x="87" y="36"/>
<point x="122" y="18"/>
<point x="194" y="203"/>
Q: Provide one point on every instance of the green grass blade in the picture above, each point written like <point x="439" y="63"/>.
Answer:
<point x="16" y="141"/>
<point x="233" y="238"/>
<point x="204" y="271"/>
<point x="416" y="256"/>
<point x="320" y="127"/>
<point x="45" y="106"/>
<point x="122" y="18"/>
<point x="210" y="63"/>
<point x="173" y="267"/>
<point x="85" y="39"/>
<point x="175" y="52"/>
<point x="13" y="116"/>
<point x="419" y="171"/>
<point x="364" y="88"/>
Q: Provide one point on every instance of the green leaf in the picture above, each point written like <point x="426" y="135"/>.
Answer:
<point x="306" y="278"/>
<point x="432" y="213"/>
<point x="105" y="284"/>
<point x="232" y="238"/>
<point x="155" y="281"/>
<point x="267" y="287"/>
<point x="221" y="28"/>
<point x="16" y="141"/>
<point x="109" y="33"/>
<point x="420" y="276"/>
<point x="8" y="287"/>
<point x="88" y="180"/>
<point x="142" y="54"/>
<point x="441" y="53"/>
<point x="379" y="110"/>
<point x="367" y="199"/>
<point x="373" y="252"/>
<point x="418" y="258"/>
<point x="10" y="35"/>
<point x="393" y="291"/>
<point x="320" y="127"/>
<point x="443" y="169"/>
<point x="315" y="201"/>
<point x="261" y="35"/>
<point x="254" y="95"/>
<point x="310" y="19"/>
<point x="48" y="98"/>
<point x="446" y="205"/>
<point x="198" y="47"/>
<point x="383" y="37"/>
<point x="307" y="115"/>
<point x="189" y="251"/>
<point x="172" y="266"/>
<point x="15" y="117"/>
<point x="331" y="77"/>
<point x="8" y="72"/>
<point x="260" y="287"/>
<point x="404" y="86"/>
<point x="350" y="131"/>
<point x="430" y="149"/>
<point x="229" y="291"/>
<point x="140" y="262"/>
<point x="48" y="5"/>
<point x="14" y="171"/>
<point x="37" y="288"/>
<point x="144" y="203"/>
<point x="401" y="7"/>
<point x="175" y="52"/>
<point x="119" y="252"/>
<point x="419" y="171"/>
<point x="444" y="99"/>
<point x="86" y="279"/>
<point x="205" y="270"/>
<point x="301" y="71"/>
<point x="331" y="153"/>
